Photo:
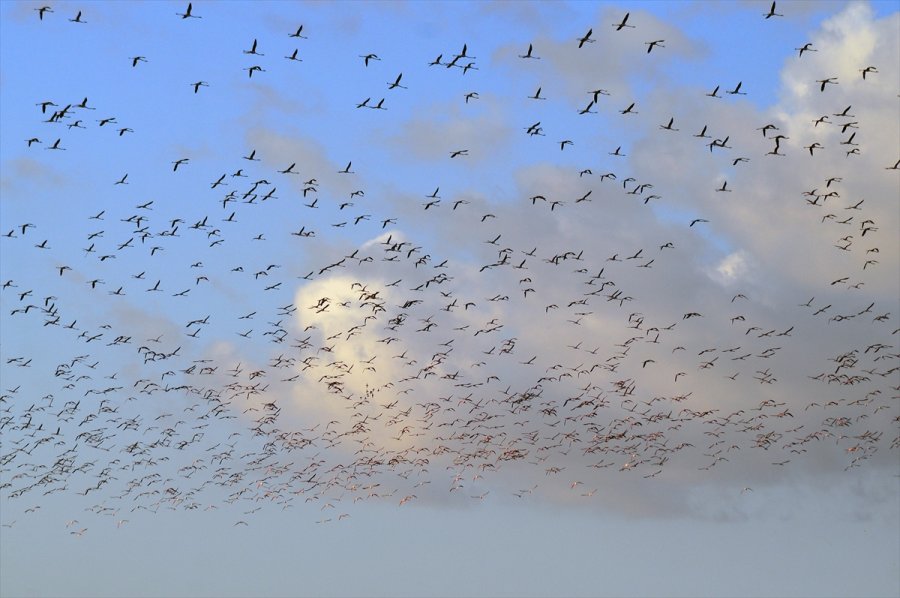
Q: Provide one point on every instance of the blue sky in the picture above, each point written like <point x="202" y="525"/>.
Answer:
<point x="521" y="347"/>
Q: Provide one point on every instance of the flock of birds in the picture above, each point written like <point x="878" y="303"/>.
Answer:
<point x="397" y="370"/>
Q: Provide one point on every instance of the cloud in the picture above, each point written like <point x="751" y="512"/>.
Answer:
<point x="22" y="172"/>
<point x="444" y="128"/>
<point x="733" y="268"/>
<point x="693" y="312"/>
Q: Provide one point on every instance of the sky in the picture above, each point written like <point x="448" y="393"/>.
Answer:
<point x="449" y="299"/>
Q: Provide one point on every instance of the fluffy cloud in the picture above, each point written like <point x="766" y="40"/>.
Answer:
<point x="541" y="310"/>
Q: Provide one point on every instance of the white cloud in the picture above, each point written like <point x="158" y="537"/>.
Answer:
<point x="732" y="269"/>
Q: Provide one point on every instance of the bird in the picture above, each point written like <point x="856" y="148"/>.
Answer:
<point x="42" y="10"/>
<point x="374" y="323"/>
<point x="77" y="18"/>
<point x="597" y="93"/>
<point x="529" y="54"/>
<point x="807" y="47"/>
<point x="587" y="109"/>
<point x="464" y="54"/>
<point x="845" y="112"/>
<point x="812" y="147"/>
<point x="772" y="12"/>
<point x="868" y="69"/>
<point x="737" y="90"/>
<point x="824" y="82"/>
<point x="765" y="129"/>
<point x="198" y="85"/>
<point x="668" y="126"/>
<point x="367" y="57"/>
<point x="44" y="106"/>
<point x="396" y="83"/>
<point x="187" y="13"/>
<point x="252" y="50"/>
<point x="298" y="33"/>
<point x="586" y="38"/>
<point x="654" y="44"/>
<point x="621" y="25"/>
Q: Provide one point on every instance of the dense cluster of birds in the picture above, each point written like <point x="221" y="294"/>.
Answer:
<point x="189" y="366"/>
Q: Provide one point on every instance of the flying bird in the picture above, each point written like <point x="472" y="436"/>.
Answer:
<point x="529" y="54"/>
<point x="772" y="12"/>
<point x="623" y="24"/>
<point x="668" y="126"/>
<point x="367" y="57"/>
<point x="824" y="82"/>
<point x="586" y="39"/>
<point x="807" y="47"/>
<point x="868" y="69"/>
<point x="396" y="83"/>
<point x="187" y="13"/>
<point x="372" y="304"/>
<point x="737" y="89"/>
<point x="252" y="50"/>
